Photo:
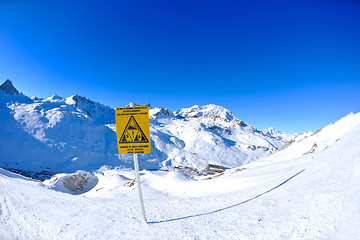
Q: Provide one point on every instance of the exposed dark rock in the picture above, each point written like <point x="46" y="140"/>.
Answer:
<point x="9" y="88"/>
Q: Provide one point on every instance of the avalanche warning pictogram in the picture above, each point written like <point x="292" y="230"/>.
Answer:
<point x="133" y="133"/>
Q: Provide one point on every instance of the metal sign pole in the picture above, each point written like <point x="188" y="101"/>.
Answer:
<point x="136" y="165"/>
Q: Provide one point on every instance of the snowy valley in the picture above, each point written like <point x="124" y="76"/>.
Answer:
<point x="275" y="186"/>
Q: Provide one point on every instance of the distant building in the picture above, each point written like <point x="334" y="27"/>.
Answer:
<point x="212" y="169"/>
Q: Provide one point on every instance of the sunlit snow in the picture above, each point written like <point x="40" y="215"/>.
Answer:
<point x="309" y="189"/>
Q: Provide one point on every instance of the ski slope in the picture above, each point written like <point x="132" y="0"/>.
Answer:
<point x="300" y="192"/>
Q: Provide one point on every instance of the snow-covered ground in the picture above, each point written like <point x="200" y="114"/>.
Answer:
<point x="308" y="190"/>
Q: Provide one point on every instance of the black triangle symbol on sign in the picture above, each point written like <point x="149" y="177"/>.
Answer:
<point x="133" y="133"/>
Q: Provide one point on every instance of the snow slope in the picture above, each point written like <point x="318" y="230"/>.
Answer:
<point x="300" y="192"/>
<point x="67" y="134"/>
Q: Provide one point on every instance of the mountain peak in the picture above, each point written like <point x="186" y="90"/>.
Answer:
<point x="160" y="112"/>
<point x="53" y="98"/>
<point x="9" y="88"/>
<point x="210" y="111"/>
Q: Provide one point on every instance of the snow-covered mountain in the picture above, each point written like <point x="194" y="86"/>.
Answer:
<point x="307" y="190"/>
<point x="66" y="134"/>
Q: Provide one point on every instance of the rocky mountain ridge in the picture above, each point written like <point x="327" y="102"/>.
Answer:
<point x="9" y="88"/>
<point x="67" y="134"/>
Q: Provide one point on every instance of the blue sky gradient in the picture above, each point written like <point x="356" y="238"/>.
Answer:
<point x="294" y="65"/>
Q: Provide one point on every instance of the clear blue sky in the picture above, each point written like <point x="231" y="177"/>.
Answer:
<point x="294" y="65"/>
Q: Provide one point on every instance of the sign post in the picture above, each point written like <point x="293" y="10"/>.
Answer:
<point x="133" y="137"/>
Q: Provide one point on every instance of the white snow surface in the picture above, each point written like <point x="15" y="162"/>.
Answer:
<point x="67" y="134"/>
<point x="300" y="192"/>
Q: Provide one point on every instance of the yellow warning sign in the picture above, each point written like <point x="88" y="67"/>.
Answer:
<point x="132" y="130"/>
<point x="133" y="133"/>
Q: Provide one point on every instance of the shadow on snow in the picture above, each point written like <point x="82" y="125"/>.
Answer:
<point x="234" y="205"/>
